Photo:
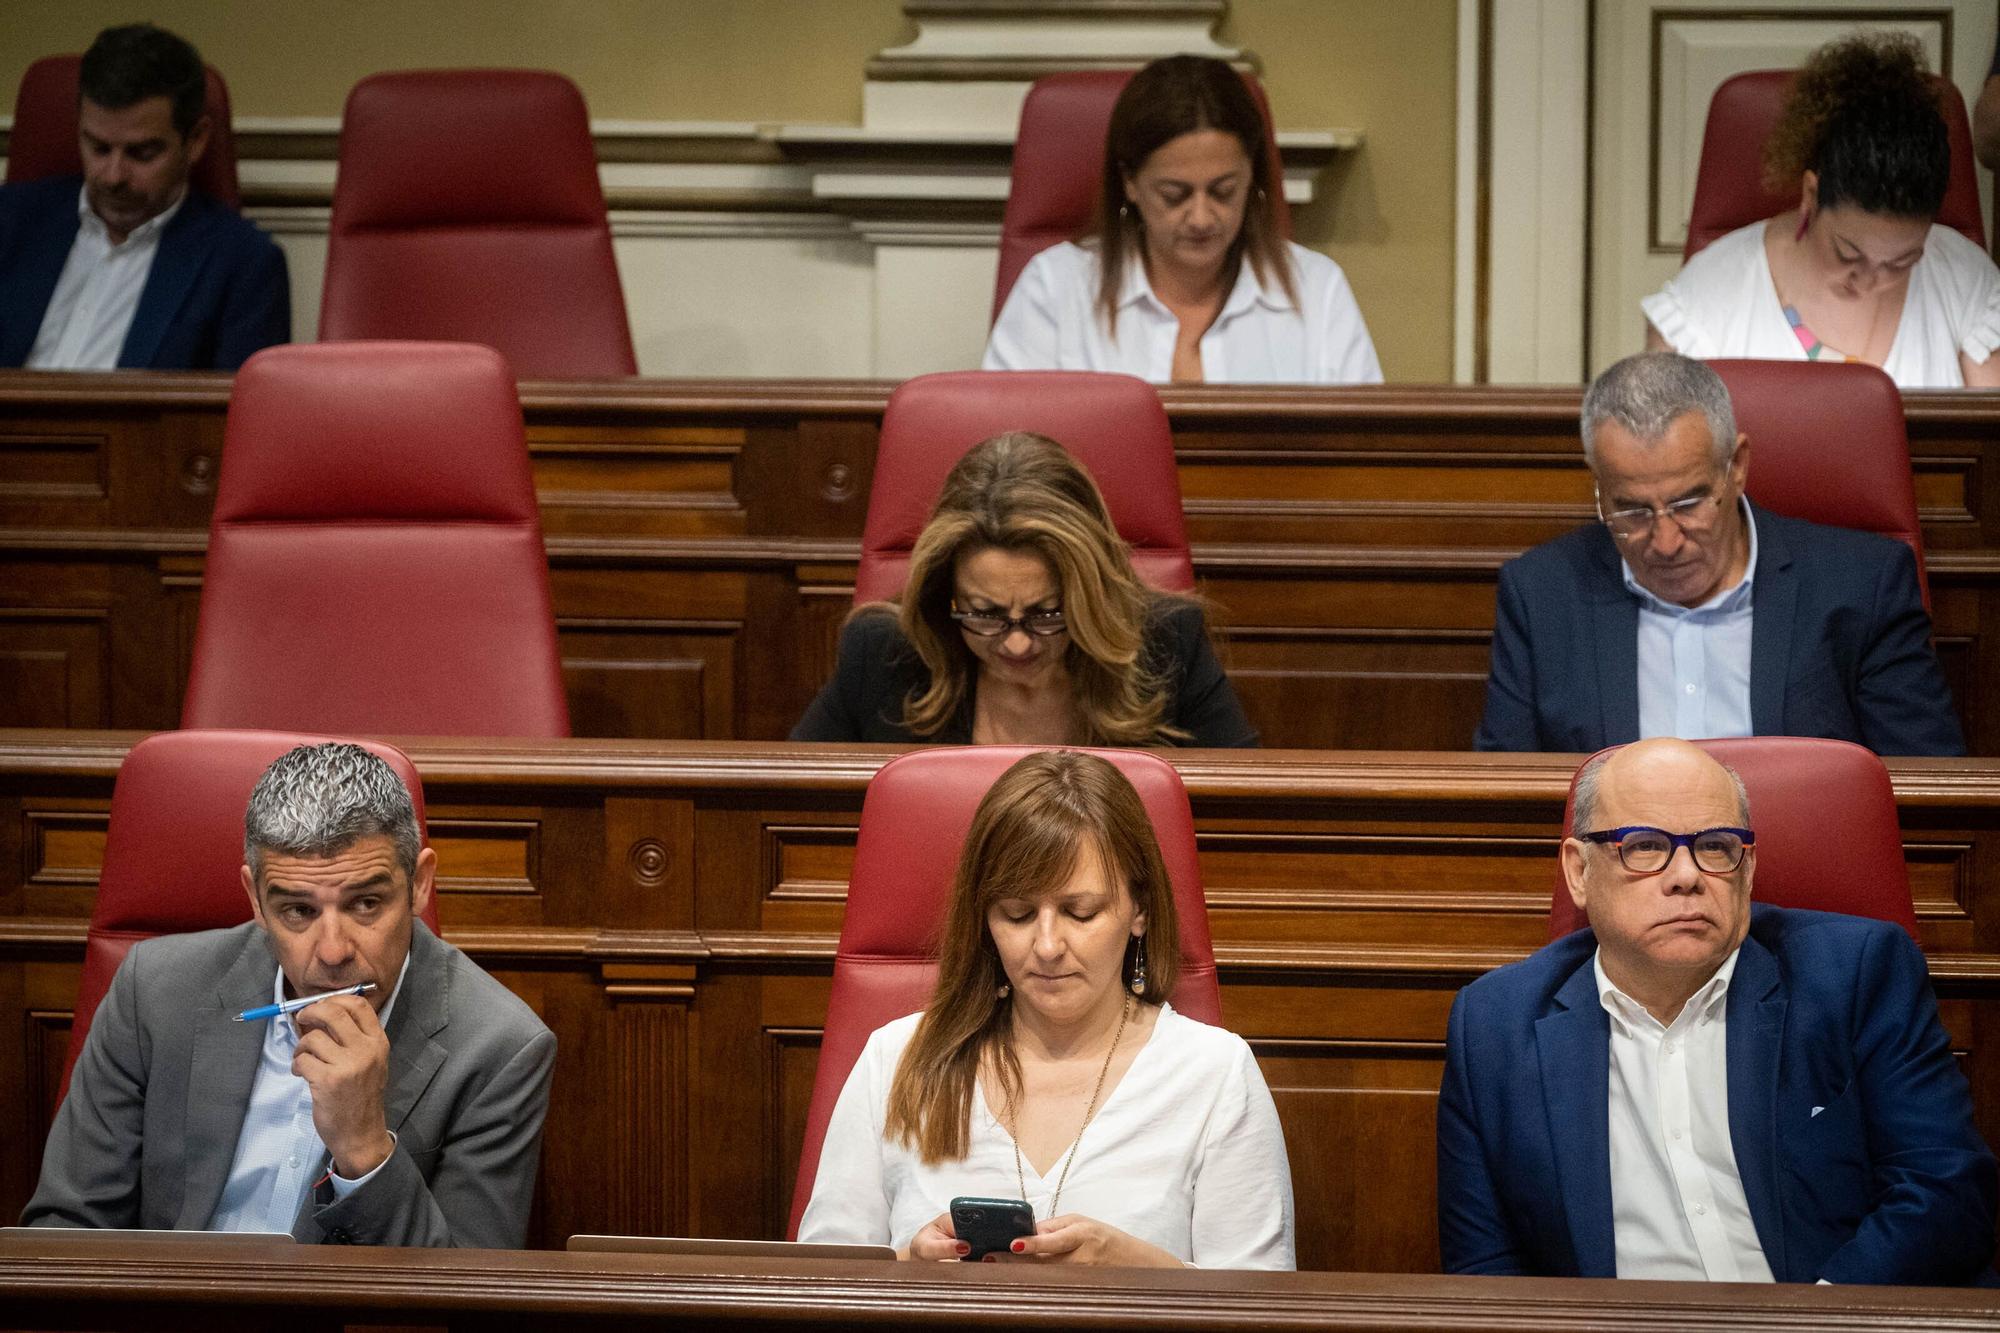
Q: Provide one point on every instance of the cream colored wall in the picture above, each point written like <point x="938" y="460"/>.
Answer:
<point x="634" y="59"/>
<point x="1384" y="212"/>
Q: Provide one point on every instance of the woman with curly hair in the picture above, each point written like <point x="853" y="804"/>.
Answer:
<point x="1023" y="623"/>
<point x="1858" y="271"/>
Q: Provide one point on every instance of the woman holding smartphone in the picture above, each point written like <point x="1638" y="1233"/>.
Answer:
<point x="1048" y="1066"/>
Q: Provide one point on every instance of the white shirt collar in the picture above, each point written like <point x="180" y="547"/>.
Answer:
<point x="87" y="218"/>
<point x="1135" y="288"/>
<point x="278" y="995"/>
<point x="1624" y="1009"/>
<point x="1726" y="600"/>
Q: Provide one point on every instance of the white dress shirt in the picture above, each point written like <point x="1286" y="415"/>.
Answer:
<point x="91" y="309"/>
<point x="1677" y="1204"/>
<point x="1051" y="322"/>
<point x="1694" y="662"/>
<point x="278" y="1151"/>
<point x="1186" y="1153"/>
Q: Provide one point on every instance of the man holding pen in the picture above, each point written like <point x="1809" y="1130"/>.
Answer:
<point x="402" y="1105"/>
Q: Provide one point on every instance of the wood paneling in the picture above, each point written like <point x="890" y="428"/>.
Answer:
<point x="671" y="911"/>
<point x="703" y="536"/>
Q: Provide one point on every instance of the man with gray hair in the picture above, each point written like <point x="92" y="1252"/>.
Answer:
<point x="1687" y="611"/>
<point x="401" y="1104"/>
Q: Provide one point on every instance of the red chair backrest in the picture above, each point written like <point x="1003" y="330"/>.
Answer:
<point x="375" y="564"/>
<point x="1112" y="424"/>
<point x="1059" y="164"/>
<point x="43" y="143"/>
<point x="175" y="846"/>
<point x="1828" y="444"/>
<point x="468" y="209"/>
<point x="1827" y="834"/>
<point x="913" y="825"/>
<point x="1729" y="185"/>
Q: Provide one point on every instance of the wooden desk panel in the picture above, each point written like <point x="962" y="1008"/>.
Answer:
<point x="703" y="536"/>
<point x="67" y="1282"/>
<point x="672" y="910"/>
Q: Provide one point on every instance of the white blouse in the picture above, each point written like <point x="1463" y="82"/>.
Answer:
<point x="1723" y="302"/>
<point x="1051" y="322"/>
<point x="1186" y="1153"/>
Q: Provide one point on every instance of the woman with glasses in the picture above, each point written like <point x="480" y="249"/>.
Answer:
<point x="1049" y="1067"/>
<point x="1022" y="622"/>
<point x="1859" y="271"/>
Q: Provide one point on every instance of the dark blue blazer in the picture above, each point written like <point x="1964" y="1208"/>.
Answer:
<point x="217" y="290"/>
<point x="1852" y="1125"/>
<point x="1839" y="646"/>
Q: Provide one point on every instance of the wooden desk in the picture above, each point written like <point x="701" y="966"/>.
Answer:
<point x="66" y="1283"/>
<point x="703" y="535"/>
<point x="671" y="910"/>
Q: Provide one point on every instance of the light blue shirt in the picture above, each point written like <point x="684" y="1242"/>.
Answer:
<point x="278" y="1152"/>
<point x="1694" y="662"/>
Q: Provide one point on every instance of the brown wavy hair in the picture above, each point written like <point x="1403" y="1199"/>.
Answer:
<point x="1166" y="99"/>
<point x="1024" y="843"/>
<point x="1023" y="492"/>
<point x="1863" y="115"/>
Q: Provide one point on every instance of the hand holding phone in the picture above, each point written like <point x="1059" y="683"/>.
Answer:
<point x="990" y="1226"/>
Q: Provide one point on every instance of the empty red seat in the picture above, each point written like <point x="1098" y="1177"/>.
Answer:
<point x="1059" y="160"/>
<point x="42" y="142"/>
<point x="1112" y="424"/>
<point x="913" y="824"/>
<point x="1729" y="185"/>
<point x="375" y="564"/>
<point x="468" y="209"/>
<point x="174" y="848"/>
<point x="1827" y="833"/>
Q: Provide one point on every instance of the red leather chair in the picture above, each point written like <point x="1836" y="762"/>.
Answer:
<point x="43" y="140"/>
<point x="1729" y="185"/>
<point x="175" y="844"/>
<point x="375" y="564"/>
<point x="1059" y="160"/>
<point x="1113" y="424"/>
<point x="468" y="209"/>
<point x="1827" y="835"/>
<point x="913" y="824"/>
<point x="1828" y="444"/>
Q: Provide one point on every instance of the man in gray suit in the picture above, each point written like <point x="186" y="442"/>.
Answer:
<point x="408" y="1115"/>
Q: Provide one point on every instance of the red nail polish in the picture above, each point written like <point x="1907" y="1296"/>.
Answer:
<point x="989" y="1259"/>
<point x="1020" y="1247"/>
<point x="963" y="1248"/>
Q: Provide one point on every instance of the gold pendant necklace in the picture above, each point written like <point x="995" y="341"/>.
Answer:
<point x="1076" y="1145"/>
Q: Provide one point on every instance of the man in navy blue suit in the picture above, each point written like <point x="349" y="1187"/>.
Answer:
<point x="128" y="265"/>
<point x="1696" y="1088"/>
<point x="1688" y="611"/>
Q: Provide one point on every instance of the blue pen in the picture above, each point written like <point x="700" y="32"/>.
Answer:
<point x="293" y="1006"/>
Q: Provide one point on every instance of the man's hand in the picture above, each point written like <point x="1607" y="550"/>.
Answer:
<point x="1076" y="1239"/>
<point x="343" y="1056"/>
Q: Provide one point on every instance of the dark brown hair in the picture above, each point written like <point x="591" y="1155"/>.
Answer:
<point x="1023" y="492"/>
<point x="1024" y="843"/>
<point x="1863" y="116"/>
<point x="1168" y="98"/>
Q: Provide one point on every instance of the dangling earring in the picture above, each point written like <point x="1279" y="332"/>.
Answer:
<point x="1139" y="967"/>
<point x="1003" y="991"/>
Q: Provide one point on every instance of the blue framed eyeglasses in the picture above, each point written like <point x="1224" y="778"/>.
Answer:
<point x="1645" y="850"/>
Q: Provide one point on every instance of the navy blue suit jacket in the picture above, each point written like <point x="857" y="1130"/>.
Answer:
<point x="217" y="291"/>
<point x="1852" y="1125"/>
<point x="1839" y="646"/>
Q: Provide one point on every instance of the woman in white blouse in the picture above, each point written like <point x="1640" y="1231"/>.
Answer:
<point x="1048" y="1065"/>
<point x="1858" y="271"/>
<point x="1187" y="277"/>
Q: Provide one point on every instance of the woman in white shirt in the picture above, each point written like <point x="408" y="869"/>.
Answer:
<point x="1048" y="1065"/>
<point x="1187" y="277"/>
<point x="1858" y="271"/>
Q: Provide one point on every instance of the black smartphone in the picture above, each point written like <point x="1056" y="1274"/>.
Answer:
<point x="990" y="1226"/>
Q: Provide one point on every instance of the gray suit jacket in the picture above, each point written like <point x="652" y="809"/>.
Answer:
<point x="147" y="1133"/>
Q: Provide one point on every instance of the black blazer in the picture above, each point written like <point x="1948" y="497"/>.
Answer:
<point x="1839" y="646"/>
<point x="216" y="293"/>
<point x="878" y="670"/>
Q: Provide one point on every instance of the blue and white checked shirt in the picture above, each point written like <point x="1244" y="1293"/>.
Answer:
<point x="278" y="1152"/>
<point x="1694" y="662"/>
